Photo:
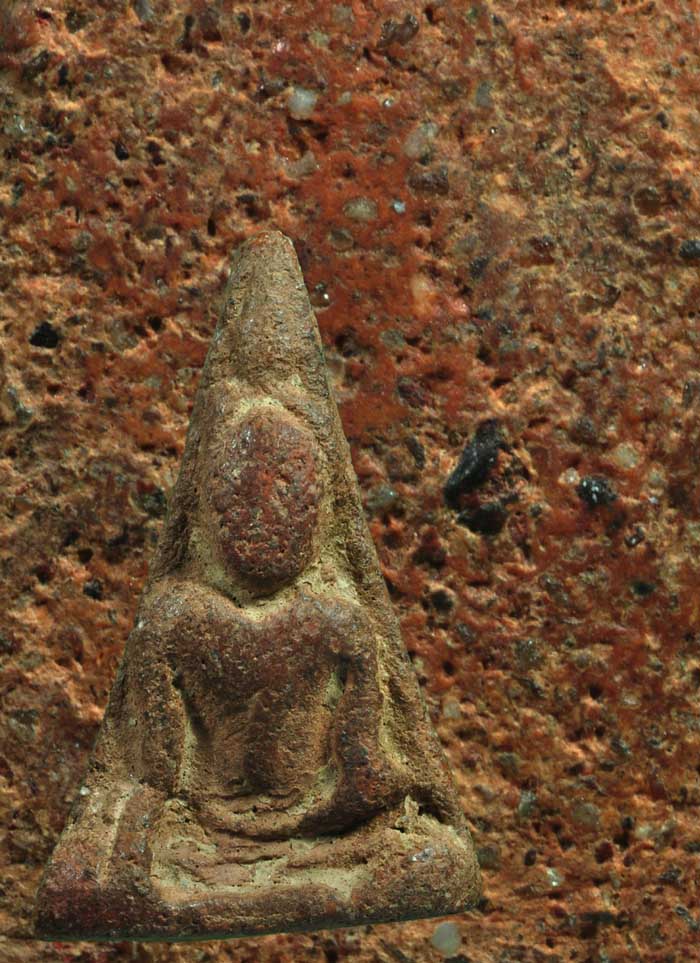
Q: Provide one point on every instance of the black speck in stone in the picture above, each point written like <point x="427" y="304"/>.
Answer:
<point x="643" y="589"/>
<point x="70" y="538"/>
<point x="618" y="745"/>
<point x="590" y="923"/>
<point x="530" y="857"/>
<point x="488" y="519"/>
<point x="583" y="431"/>
<point x="635" y="538"/>
<point x="43" y="573"/>
<point x="154" y="150"/>
<point x="465" y="634"/>
<point x="528" y="654"/>
<point x="685" y="915"/>
<point x="63" y="75"/>
<point x="616" y="522"/>
<point x="398" y="32"/>
<point x="75" y="20"/>
<point x="478" y="266"/>
<point x="120" y="150"/>
<point x="417" y="450"/>
<point x="243" y="21"/>
<point x="143" y="9"/>
<point x="690" y="249"/>
<point x="672" y="875"/>
<point x="441" y="600"/>
<point x="37" y="65"/>
<point x="595" y="491"/>
<point x="45" y="336"/>
<point x="93" y="589"/>
<point x="435" y="181"/>
<point x="154" y="503"/>
<point x="690" y="391"/>
<point x="484" y="314"/>
<point x="475" y="463"/>
<point x="6" y="645"/>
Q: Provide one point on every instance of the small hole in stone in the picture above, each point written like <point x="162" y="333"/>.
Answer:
<point x="603" y="852"/>
<point x="43" y="573"/>
<point x="441" y="600"/>
<point x="93" y="589"/>
<point x="71" y="538"/>
<point x="44" y="336"/>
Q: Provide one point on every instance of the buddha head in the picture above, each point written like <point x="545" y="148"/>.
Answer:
<point x="263" y="494"/>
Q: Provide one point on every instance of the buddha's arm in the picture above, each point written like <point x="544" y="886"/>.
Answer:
<point x="152" y="717"/>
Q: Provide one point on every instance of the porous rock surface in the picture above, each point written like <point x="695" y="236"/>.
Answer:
<point x="496" y="209"/>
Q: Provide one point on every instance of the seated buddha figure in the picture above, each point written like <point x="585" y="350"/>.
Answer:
<point x="271" y="682"/>
<point x="265" y="761"/>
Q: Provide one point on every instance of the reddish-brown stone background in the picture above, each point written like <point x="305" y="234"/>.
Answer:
<point x="497" y="210"/>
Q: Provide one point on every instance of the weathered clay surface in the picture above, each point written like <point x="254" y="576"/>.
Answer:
<point x="496" y="207"/>
<point x="265" y="763"/>
<point x="264" y="492"/>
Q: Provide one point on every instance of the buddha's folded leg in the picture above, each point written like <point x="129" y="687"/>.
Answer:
<point x="368" y="778"/>
<point x="371" y="777"/>
<point x="416" y="740"/>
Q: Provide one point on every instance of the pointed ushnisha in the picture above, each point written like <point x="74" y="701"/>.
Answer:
<point x="265" y="762"/>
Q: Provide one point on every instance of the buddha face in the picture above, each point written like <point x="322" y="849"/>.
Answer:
<point x="264" y="493"/>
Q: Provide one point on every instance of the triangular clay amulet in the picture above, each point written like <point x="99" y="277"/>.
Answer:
<point x="265" y="762"/>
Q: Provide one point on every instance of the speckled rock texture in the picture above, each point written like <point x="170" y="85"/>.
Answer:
<point x="496" y="208"/>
